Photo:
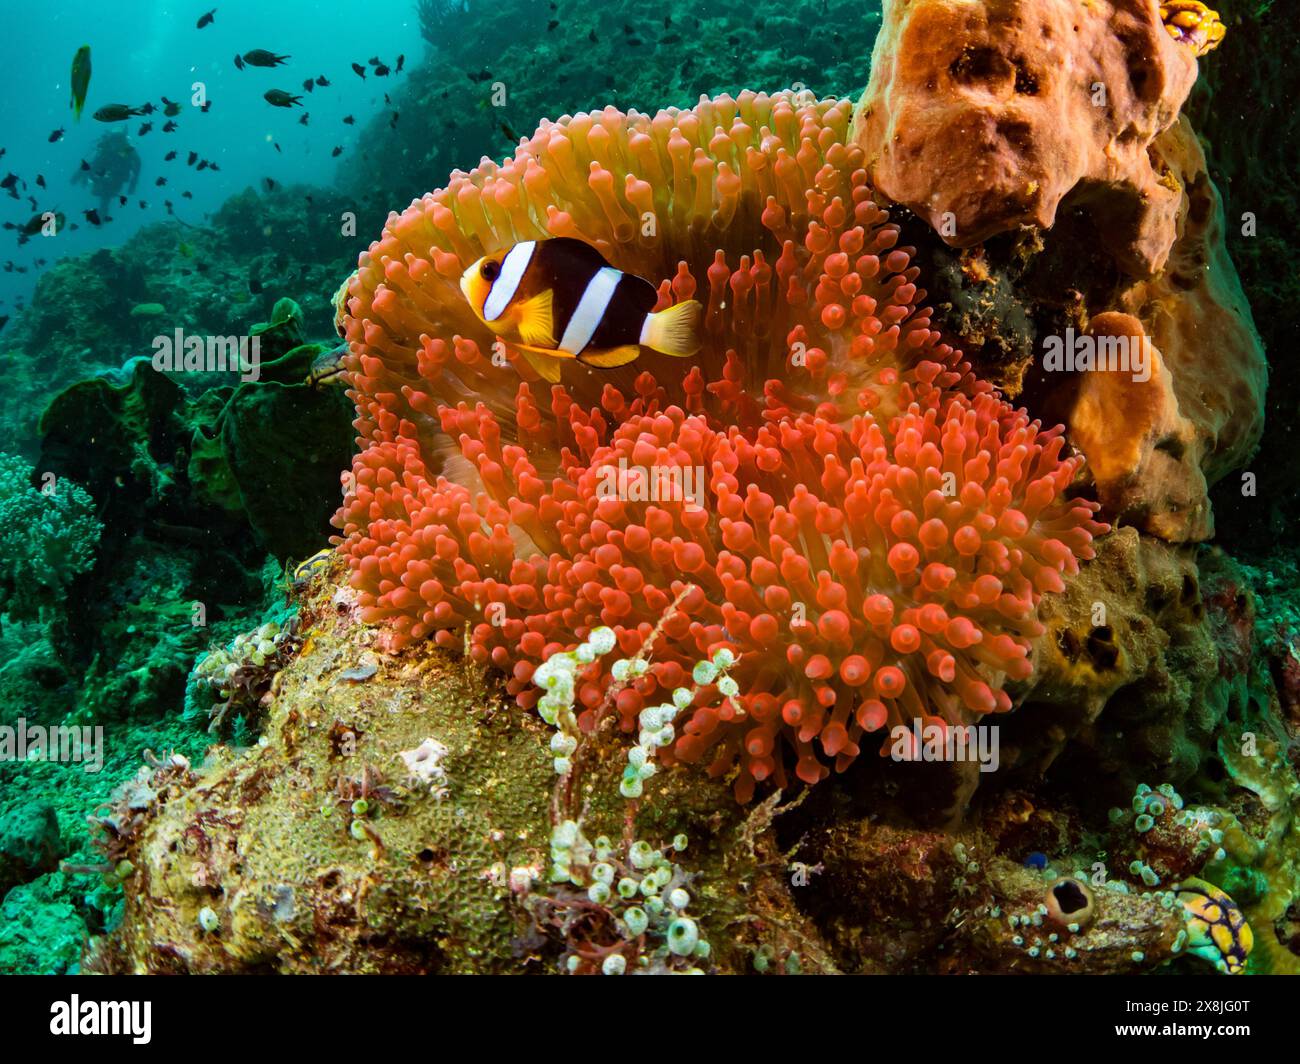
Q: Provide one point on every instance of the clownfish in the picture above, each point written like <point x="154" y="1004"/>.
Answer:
<point x="557" y="299"/>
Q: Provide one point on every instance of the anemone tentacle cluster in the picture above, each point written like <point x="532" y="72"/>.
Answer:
<point x="865" y="525"/>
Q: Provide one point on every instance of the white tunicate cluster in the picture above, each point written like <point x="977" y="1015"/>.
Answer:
<point x="254" y="648"/>
<point x="557" y="676"/>
<point x="570" y="850"/>
<point x="645" y="891"/>
<point x="656" y="722"/>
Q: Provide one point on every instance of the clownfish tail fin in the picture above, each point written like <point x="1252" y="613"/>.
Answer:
<point x="674" y="331"/>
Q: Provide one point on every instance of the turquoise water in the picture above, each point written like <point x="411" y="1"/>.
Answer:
<point x="145" y="51"/>
<point x="154" y="50"/>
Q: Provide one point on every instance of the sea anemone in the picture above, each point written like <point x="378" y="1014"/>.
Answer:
<point x="825" y="490"/>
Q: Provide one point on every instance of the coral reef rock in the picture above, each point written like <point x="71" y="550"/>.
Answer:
<point x="985" y="119"/>
<point x="395" y="816"/>
<point x="982" y="117"/>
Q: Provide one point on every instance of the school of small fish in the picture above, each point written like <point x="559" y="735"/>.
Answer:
<point x="49" y="220"/>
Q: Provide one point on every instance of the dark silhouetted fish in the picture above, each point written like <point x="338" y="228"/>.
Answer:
<point x="36" y="223"/>
<point x="260" y="57"/>
<point x="117" y="112"/>
<point x="57" y="136"/>
<point x="359" y="70"/>
<point x="280" y="98"/>
<point x="208" y="19"/>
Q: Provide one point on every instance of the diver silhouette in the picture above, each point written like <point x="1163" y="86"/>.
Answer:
<point x="114" y="166"/>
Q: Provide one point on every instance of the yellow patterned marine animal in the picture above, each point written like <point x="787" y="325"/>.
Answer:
<point x="1216" y="930"/>
<point x="1192" y="23"/>
<point x="318" y="562"/>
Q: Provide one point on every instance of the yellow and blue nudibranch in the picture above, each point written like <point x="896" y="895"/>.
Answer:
<point x="1216" y="929"/>
<point x="1191" y="22"/>
<point x="305" y="570"/>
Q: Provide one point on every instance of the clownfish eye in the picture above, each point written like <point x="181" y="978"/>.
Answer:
<point x="490" y="271"/>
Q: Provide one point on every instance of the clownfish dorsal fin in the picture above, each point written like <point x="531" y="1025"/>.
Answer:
<point x="536" y="322"/>
<point x="608" y="359"/>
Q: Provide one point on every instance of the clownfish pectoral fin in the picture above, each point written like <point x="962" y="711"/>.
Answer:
<point x="674" y="331"/>
<point x="543" y="361"/>
<point x="611" y="357"/>
<point x="536" y="323"/>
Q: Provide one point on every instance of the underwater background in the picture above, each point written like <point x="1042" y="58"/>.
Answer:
<point x="157" y="528"/>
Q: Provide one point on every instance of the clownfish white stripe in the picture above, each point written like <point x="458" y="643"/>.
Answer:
<point x="590" y="310"/>
<point x="507" y="284"/>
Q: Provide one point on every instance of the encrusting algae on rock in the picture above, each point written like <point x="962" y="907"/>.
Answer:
<point x="403" y="823"/>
